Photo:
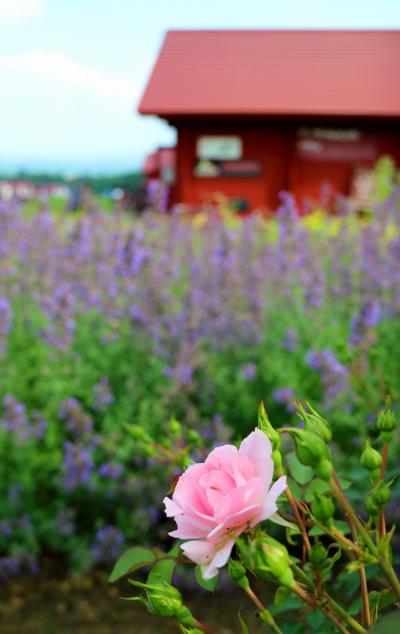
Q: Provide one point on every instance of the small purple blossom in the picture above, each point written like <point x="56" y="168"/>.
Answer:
<point x="107" y="544"/>
<point x="248" y="371"/>
<point x="285" y="396"/>
<point x="102" y="395"/>
<point x="77" y="466"/>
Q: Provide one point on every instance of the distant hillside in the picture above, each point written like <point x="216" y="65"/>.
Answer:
<point x="99" y="184"/>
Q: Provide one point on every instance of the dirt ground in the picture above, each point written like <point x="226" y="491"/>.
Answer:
<point x="88" y="605"/>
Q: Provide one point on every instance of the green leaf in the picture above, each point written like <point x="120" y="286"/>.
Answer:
<point x="300" y="473"/>
<point x="131" y="560"/>
<point x="316" y="486"/>
<point x="315" y="620"/>
<point x="206" y="584"/>
<point x="244" y="628"/>
<point x="162" y="571"/>
<point x="388" y="625"/>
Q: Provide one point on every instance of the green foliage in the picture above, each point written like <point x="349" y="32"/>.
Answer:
<point x="131" y="560"/>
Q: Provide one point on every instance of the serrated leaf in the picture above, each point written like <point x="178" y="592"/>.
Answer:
<point x="206" y="584"/>
<point x="300" y="473"/>
<point x="131" y="560"/>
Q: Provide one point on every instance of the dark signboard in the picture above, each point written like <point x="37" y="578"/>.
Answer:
<point x="239" y="168"/>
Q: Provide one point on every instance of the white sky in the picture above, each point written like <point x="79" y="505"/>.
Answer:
<point x="72" y="71"/>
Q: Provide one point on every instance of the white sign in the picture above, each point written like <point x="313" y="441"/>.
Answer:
<point x="219" y="148"/>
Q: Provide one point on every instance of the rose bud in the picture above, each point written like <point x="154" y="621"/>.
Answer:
<point x="236" y="570"/>
<point x="315" y="423"/>
<point x="370" y="506"/>
<point x="323" y="508"/>
<point x="386" y="421"/>
<point x="265" y="426"/>
<point x="381" y="494"/>
<point x="324" y="470"/>
<point x="318" y="554"/>
<point x="370" y="458"/>
<point x="276" y="560"/>
<point x="310" y="448"/>
<point x="162" y="598"/>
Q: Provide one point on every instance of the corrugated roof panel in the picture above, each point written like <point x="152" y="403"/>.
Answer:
<point x="276" y="72"/>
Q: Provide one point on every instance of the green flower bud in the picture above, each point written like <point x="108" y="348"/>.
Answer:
<point x="184" y="616"/>
<point x="322" y="508"/>
<point x="310" y="448"/>
<point x="370" y="506"/>
<point x="381" y="494"/>
<point x="315" y="423"/>
<point x="193" y="437"/>
<point x="164" y="599"/>
<point x="276" y="561"/>
<point x="324" y="470"/>
<point x="265" y="426"/>
<point x="175" y="428"/>
<point x="236" y="570"/>
<point x="370" y="458"/>
<point x="375" y="474"/>
<point x="386" y="421"/>
<point x="318" y="554"/>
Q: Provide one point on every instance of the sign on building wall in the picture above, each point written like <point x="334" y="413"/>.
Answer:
<point x="219" y="148"/>
<point x="330" y="144"/>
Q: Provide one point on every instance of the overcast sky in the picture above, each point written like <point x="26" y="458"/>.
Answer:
<point x="72" y="71"/>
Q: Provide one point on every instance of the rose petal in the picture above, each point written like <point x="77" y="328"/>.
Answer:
<point x="270" y="506"/>
<point x="236" y="523"/>
<point x="257" y="448"/>
<point x="200" y="551"/>
<point x="219" y="560"/>
<point x="250" y="494"/>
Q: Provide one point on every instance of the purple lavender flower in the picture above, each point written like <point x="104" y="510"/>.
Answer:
<point x="15" y="419"/>
<point x="102" y="395"/>
<point x="79" y="424"/>
<point x="248" y="371"/>
<point x="77" y="466"/>
<point x="107" y="544"/>
<point x="285" y="396"/>
<point x="65" y="522"/>
<point x="111" y="470"/>
<point x="368" y="316"/>
<point x="334" y="375"/>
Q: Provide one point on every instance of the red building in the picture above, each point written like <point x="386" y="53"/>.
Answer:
<point x="258" y="112"/>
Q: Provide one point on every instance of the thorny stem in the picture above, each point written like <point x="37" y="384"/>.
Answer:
<point x="331" y="602"/>
<point x="261" y="608"/>
<point x="382" y="524"/>
<point x="383" y="561"/>
<point x="304" y="596"/>
<point x="206" y="629"/>
<point x="295" y="510"/>
<point x="366" y="614"/>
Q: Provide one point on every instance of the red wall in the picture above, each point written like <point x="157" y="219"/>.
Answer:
<point x="283" y="166"/>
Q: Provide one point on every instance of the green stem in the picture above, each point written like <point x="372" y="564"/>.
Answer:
<point x="383" y="561"/>
<point x="261" y="608"/>
<point x="331" y="602"/>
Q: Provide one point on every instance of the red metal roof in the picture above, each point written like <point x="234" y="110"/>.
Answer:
<point x="276" y="72"/>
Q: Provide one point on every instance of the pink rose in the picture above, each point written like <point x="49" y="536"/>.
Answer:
<point x="216" y="500"/>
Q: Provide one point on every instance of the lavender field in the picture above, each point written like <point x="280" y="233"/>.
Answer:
<point x="108" y="321"/>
